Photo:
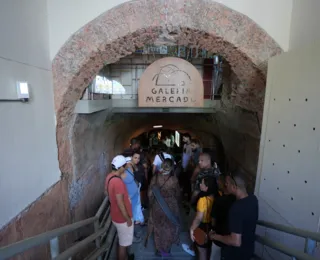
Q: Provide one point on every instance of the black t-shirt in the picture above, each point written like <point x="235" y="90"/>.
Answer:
<point x="243" y="217"/>
<point x="220" y="212"/>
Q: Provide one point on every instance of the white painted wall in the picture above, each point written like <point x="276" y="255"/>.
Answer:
<point x="66" y="17"/>
<point x="288" y="172"/>
<point x="305" y="23"/>
<point x="28" y="151"/>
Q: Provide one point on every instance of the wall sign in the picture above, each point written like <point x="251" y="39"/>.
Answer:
<point x="171" y="82"/>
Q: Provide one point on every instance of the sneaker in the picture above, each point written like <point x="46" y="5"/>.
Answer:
<point x="187" y="249"/>
<point x="136" y="239"/>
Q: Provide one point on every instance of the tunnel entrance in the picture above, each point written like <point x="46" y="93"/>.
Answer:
<point x="87" y="142"/>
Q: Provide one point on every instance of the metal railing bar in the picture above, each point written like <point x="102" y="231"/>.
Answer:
<point x="108" y="225"/>
<point x="102" y="207"/>
<point x="107" y="246"/>
<point x="290" y="230"/>
<point x="54" y="247"/>
<point x="105" y="217"/>
<point x="284" y="249"/>
<point x="97" y="253"/>
<point x="21" y="246"/>
<point x="114" y="247"/>
<point x="80" y="245"/>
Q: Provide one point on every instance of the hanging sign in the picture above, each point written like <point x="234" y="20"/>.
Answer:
<point x="171" y="82"/>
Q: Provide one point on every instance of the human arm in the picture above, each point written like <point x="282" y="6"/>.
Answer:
<point x="122" y="207"/>
<point x="201" y="208"/>
<point x="233" y="239"/>
<point x="235" y="228"/>
<point x="195" y="223"/>
<point x="195" y="174"/>
<point x="154" y="168"/>
<point x="155" y="163"/>
<point x="152" y="183"/>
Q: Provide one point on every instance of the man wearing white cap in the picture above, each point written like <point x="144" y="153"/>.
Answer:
<point x="120" y="205"/>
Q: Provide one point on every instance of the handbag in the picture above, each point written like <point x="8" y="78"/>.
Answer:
<point x="200" y="236"/>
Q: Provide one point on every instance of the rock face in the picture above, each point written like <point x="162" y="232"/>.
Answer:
<point x="86" y="143"/>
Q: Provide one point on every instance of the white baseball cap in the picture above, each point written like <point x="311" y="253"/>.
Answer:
<point x="119" y="161"/>
<point x="128" y="159"/>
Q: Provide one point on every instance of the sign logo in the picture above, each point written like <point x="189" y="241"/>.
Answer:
<point x="171" y="82"/>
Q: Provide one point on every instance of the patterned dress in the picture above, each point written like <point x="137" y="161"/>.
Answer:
<point x="165" y="232"/>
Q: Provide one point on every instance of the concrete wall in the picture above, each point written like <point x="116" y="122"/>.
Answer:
<point x="305" y="23"/>
<point x="28" y="150"/>
<point x="66" y="17"/>
<point x="288" y="175"/>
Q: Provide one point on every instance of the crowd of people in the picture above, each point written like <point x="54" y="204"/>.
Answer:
<point x="223" y="214"/>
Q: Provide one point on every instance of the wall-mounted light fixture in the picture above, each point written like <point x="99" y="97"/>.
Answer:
<point x="22" y="93"/>
<point x="157" y="126"/>
<point x="23" y="90"/>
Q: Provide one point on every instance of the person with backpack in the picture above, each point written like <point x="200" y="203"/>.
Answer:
<point x="120" y="205"/>
<point x="159" y="158"/>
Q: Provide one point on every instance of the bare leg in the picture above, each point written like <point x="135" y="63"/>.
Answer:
<point x="122" y="253"/>
<point x="203" y="253"/>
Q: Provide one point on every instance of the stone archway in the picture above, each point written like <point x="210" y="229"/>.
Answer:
<point x="119" y="31"/>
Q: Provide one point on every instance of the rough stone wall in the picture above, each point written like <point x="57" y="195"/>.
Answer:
<point x="50" y="211"/>
<point x="118" y="32"/>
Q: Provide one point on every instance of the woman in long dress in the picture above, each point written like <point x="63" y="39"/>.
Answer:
<point x="165" y="232"/>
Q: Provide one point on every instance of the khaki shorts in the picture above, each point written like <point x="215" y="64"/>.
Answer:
<point x="125" y="233"/>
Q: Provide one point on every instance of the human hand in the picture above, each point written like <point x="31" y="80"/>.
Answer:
<point x="212" y="234"/>
<point x="129" y="222"/>
<point x="192" y="235"/>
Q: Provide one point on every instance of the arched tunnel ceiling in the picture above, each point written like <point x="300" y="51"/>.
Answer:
<point x="119" y="31"/>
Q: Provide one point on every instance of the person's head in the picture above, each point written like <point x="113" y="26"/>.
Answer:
<point x="135" y="144"/>
<point x="222" y="183"/>
<point x="195" y="144"/>
<point x="209" y="185"/>
<point x="186" y="138"/>
<point x="135" y="158"/>
<point x="162" y="148"/>
<point x="235" y="184"/>
<point x="204" y="161"/>
<point x="167" y="166"/>
<point x="119" y="164"/>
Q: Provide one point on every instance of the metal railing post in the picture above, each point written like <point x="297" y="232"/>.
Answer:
<point x="54" y="247"/>
<point x="96" y="229"/>
<point x="310" y="246"/>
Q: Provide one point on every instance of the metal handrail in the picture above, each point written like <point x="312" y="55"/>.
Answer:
<point x="311" y="239"/>
<point x="52" y="237"/>
<point x="284" y="249"/>
<point x="21" y="246"/>
<point x="290" y="230"/>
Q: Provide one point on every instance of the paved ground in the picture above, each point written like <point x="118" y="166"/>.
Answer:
<point x="148" y="253"/>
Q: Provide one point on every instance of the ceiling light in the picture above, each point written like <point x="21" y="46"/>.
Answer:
<point x="157" y="126"/>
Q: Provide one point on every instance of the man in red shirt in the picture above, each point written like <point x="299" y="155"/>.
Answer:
<point x="120" y="205"/>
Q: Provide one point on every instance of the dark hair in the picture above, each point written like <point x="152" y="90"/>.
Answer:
<point x="135" y="152"/>
<point x="238" y="178"/>
<point x="212" y="185"/>
<point x="162" y="148"/>
<point x="195" y="141"/>
<point x="134" y="141"/>
<point x="187" y="135"/>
